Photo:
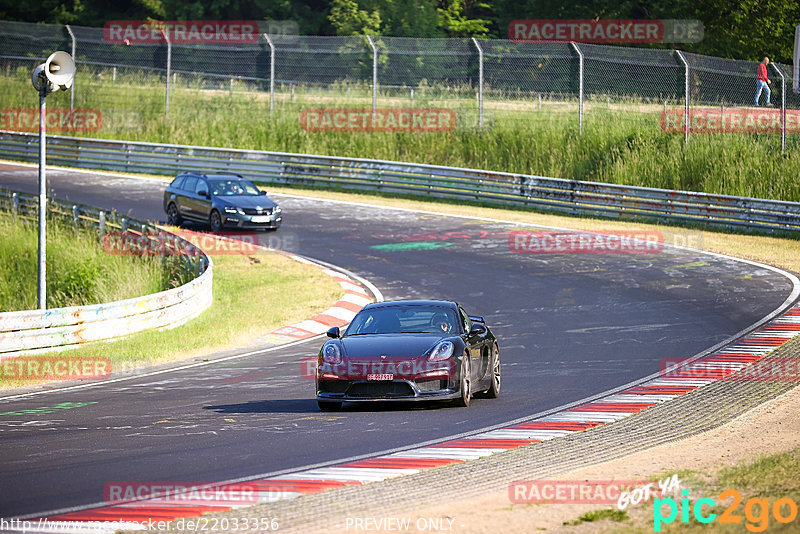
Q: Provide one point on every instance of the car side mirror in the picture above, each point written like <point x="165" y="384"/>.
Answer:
<point x="264" y="193"/>
<point x="477" y="328"/>
<point x="204" y="193"/>
<point x="334" y="332"/>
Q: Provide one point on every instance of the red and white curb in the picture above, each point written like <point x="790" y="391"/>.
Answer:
<point x="355" y="297"/>
<point x="717" y="365"/>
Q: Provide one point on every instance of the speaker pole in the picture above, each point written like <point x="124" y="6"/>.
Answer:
<point x="42" y="292"/>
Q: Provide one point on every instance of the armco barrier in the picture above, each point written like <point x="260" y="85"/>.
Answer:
<point x="41" y="330"/>
<point x="571" y="196"/>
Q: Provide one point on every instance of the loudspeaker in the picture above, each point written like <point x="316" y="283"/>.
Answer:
<point x="57" y="72"/>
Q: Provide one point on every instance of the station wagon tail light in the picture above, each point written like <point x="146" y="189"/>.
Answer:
<point x="442" y="351"/>
<point x="331" y="353"/>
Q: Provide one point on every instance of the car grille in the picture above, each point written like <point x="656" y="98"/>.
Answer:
<point x="333" y="386"/>
<point x="380" y="388"/>
<point x="431" y="385"/>
<point x="253" y="211"/>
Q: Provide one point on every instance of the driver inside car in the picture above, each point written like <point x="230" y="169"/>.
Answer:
<point x="442" y="323"/>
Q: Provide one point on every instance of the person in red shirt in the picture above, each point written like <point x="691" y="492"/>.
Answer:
<point x="762" y="81"/>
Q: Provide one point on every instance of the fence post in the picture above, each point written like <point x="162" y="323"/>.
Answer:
<point x="169" y="69"/>
<point x="480" y="82"/>
<point x="72" y="89"/>
<point x="580" y="87"/>
<point x="374" y="74"/>
<point x="271" y="73"/>
<point x="783" y="106"/>
<point x="686" y="97"/>
<point x="15" y="204"/>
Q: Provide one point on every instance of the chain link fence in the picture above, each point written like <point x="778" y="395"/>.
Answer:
<point x="129" y="83"/>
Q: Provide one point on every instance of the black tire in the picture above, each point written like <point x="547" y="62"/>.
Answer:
<point x="329" y="406"/>
<point x="466" y="385"/>
<point x="215" y="221"/>
<point x="173" y="216"/>
<point x="494" y="391"/>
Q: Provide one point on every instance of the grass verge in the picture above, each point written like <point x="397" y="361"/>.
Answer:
<point x="622" y="144"/>
<point x="79" y="271"/>
<point x="763" y="496"/>
<point x="254" y="294"/>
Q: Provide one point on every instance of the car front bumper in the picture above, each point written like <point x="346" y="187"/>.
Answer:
<point x="235" y="220"/>
<point x="386" y="391"/>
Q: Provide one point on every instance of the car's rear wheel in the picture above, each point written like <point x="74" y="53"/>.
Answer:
<point x="215" y="221"/>
<point x="466" y="384"/>
<point x="329" y="406"/>
<point x="173" y="216"/>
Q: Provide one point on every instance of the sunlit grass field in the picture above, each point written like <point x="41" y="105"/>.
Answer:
<point x="621" y="142"/>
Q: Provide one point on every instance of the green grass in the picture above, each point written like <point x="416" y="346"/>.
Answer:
<point x="617" y="146"/>
<point x="771" y="477"/>
<point x="598" y="515"/>
<point x="253" y="295"/>
<point x="79" y="271"/>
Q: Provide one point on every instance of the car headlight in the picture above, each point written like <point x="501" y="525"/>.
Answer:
<point x="442" y="351"/>
<point x="331" y="353"/>
<point x="234" y="210"/>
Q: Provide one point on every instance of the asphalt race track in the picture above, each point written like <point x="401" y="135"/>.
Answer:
<point x="570" y="325"/>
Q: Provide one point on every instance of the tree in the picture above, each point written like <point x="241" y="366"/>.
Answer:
<point x="454" y="17"/>
<point x="348" y="19"/>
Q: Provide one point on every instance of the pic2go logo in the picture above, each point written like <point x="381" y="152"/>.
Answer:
<point x="756" y="511"/>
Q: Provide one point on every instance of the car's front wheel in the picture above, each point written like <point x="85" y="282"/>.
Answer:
<point x="494" y="391"/>
<point x="173" y="216"/>
<point x="215" y="221"/>
<point x="466" y="384"/>
<point x="329" y="406"/>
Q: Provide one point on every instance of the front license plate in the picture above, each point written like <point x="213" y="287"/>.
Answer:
<point x="380" y="377"/>
<point x="259" y="218"/>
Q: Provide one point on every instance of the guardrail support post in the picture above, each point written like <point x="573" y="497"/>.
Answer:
<point x="480" y="82"/>
<point x="271" y="73"/>
<point x="686" y="96"/>
<point x="72" y="89"/>
<point x="169" y="69"/>
<point x="783" y="106"/>
<point x="124" y="224"/>
<point x="580" y="86"/>
<point x="76" y="216"/>
<point x="15" y="204"/>
<point x="374" y="74"/>
<point x="101" y="224"/>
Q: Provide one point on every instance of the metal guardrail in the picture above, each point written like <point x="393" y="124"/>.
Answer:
<point x="553" y="194"/>
<point x="42" y="330"/>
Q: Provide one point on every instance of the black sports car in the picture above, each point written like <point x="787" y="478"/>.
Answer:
<point x="221" y="200"/>
<point x="409" y="350"/>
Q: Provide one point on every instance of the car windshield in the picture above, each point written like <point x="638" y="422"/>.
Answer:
<point x="404" y="320"/>
<point x="224" y="188"/>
